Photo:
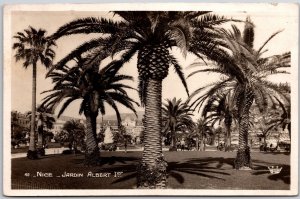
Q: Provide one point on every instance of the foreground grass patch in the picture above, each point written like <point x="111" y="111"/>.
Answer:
<point x="187" y="169"/>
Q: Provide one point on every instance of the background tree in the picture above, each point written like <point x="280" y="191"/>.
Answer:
<point x="33" y="46"/>
<point x="75" y="134"/>
<point x="246" y="72"/>
<point x="101" y="135"/>
<point x="220" y="108"/>
<point x="176" y="116"/>
<point x="201" y="132"/>
<point x="218" y="133"/>
<point x="18" y="132"/>
<point x="14" y="122"/>
<point x="61" y="137"/>
<point x="281" y="116"/>
<point x="150" y="35"/>
<point x="122" y="136"/>
<point x="94" y="88"/>
<point x="45" y="121"/>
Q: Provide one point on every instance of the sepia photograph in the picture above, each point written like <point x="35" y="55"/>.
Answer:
<point x="150" y="99"/>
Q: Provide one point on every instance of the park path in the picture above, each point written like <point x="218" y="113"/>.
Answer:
<point x="47" y="151"/>
<point x="52" y="151"/>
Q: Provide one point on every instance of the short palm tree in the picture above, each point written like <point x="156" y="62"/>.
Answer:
<point x="176" y="116"/>
<point x="33" y="46"/>
<point x="245" y="71"/>
<point x="75" y="131"/>
<point x="202" y="130"/>
<point x="150" y="35"/>
<point x="44" y="120"/>
<point x="220" y="108"/>
<point x="95" y="89"/>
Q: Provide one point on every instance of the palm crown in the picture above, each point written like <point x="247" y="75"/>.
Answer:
<point x="92" y="87"/>
<point x="176" y="116"/>
<point x="149" y="34"/>
<point x="33" y="46"/>
<point x="220" y="108"/>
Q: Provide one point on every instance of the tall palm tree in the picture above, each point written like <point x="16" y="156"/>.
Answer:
<point x="176" y="116"/>
<point x="150" y="35"/>
<point x="33" y="46"/>
<point x="95" y="89"/>
<point x="245" y="71"/>
<point x="220" y="108"/>
<point x="75" y="131"/>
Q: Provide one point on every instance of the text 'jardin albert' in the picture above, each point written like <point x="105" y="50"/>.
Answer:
<point x="65" y="174"/>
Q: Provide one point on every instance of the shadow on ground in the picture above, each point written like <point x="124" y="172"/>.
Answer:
<point x="186" y="170"/>
<point x="261" y="168"/>
<point x="208" y="167"/>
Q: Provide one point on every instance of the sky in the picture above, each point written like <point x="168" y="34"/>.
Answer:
<point x="266" y="23"/>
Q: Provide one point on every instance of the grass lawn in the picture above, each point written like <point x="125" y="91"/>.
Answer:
<point x="187" y="169"/>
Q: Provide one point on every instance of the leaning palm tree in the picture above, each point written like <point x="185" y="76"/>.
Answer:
<point x="150" y="35"/>
<point x="32" y="47"/>
<point x="220" y="108"/>
<point x="95" y="89"/>
<point x="176" y="116"/>
<point x="245" y="71"/>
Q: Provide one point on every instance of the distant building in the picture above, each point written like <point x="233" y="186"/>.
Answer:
<point x="59" y="123"/>
<point x="133" y="126"/>
<point x="21" y="119"/>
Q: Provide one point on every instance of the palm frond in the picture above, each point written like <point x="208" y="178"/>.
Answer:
<point x="267" y="41"/>
<point x="178" y="70"/>
<point x="86" y="26"/>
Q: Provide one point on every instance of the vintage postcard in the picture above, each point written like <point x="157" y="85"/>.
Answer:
<point x="149" y="99"/>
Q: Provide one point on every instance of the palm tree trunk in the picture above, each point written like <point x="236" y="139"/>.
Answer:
<point x="40" y="137"/>
<point x="40" y="148"/>
<point x="92" y="155"/>
<point x="152" y="169"/>
<point x="243" y="159"/>
<point x="173" y="146"/>
<point x="289" y="129"/>
<point x="202" y="147"/>
<point x="227" y="139"/>
<point x="32" y="154"/>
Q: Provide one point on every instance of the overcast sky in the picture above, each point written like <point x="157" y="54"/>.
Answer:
<point x="266" y="23"/>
